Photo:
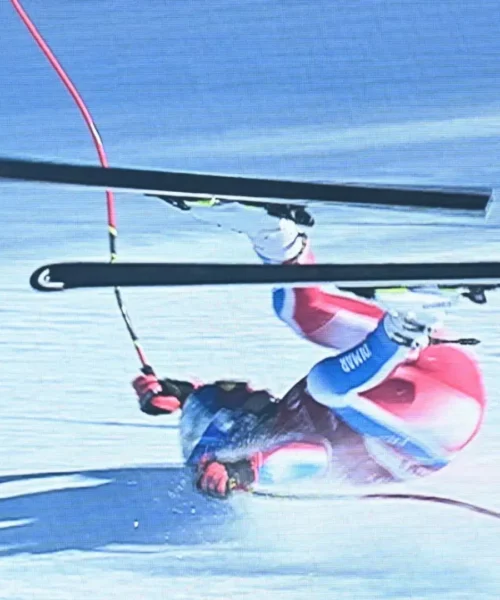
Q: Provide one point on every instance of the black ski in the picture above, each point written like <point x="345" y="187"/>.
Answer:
<point x="362" y="277"/>
<point x="240" y="188"/>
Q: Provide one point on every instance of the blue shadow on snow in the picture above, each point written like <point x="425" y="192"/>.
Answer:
<point x="142" y="506"/>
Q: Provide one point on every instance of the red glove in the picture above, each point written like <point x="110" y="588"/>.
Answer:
<point x="153" y="398"/>
<point x="220" y="479"/>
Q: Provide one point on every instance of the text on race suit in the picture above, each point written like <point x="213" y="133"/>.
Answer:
<point x="355" y="359"/>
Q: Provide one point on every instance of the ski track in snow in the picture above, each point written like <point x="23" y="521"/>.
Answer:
<point x="92" y="501"/>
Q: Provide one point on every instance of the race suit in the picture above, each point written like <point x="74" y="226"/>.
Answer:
<point x="372" y="412"/>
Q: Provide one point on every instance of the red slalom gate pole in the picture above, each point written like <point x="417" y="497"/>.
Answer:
<point x="96" y="138"/>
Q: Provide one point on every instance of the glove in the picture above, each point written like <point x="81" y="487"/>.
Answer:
<point x="218" y="479"/>
<point x="409" y="330"/>
<point x="158" y="397"/>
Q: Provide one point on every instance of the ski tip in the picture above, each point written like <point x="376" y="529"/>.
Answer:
<point x="42" y="280"/>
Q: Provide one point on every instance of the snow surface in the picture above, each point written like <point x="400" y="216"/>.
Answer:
<point x="92" y="501"/>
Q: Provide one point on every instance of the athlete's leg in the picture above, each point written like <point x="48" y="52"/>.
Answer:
<point x="415" y="416"/>
<point x="446" y="396"/>
<point x="341" y="383"/>
<point x="335" y="320"/>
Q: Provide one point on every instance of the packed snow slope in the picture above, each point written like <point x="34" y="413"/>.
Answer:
<point x="92" y="503"/>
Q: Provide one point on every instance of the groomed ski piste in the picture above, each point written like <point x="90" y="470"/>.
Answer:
<point x="93" y="500"/>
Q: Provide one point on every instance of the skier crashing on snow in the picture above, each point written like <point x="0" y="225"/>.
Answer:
<point x="386" y="406"/>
